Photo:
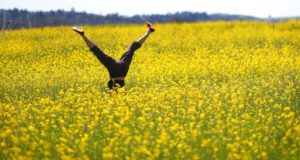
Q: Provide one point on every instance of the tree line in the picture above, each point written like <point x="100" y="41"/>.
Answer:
<point x="16" y="18"/>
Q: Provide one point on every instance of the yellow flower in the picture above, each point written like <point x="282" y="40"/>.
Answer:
<point x="193" y="91"/>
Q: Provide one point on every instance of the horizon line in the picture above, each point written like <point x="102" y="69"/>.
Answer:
<point x="143" y="14"/>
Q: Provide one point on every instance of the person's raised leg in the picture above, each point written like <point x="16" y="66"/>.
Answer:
<point x="127" y="56"/>
<point x="144" y="37"/>
<point x="106" y="60"/>
<point x="89" y="43"/>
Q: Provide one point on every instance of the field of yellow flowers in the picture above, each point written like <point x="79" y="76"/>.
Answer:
<point x="213" y="90"/>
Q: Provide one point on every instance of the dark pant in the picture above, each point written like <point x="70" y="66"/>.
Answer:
<point x="120" y="67"/>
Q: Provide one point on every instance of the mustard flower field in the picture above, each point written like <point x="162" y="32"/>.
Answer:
<point x="211" y="90"/>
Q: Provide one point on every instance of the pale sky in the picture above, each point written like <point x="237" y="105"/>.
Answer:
<point x="258" y="8"/>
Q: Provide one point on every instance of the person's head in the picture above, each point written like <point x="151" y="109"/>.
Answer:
<point x="115" y="83"/>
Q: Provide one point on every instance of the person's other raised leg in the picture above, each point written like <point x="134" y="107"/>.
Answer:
<point x="89" y="43"/>
<point x="144" y="37"/>
<point x="106" y="60"/>
<point x="127" y="56"/>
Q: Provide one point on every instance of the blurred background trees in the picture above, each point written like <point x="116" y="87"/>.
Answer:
<point x="16" y="18"/>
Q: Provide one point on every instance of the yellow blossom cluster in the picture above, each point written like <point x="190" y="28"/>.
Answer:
<point x="212" y="90"/>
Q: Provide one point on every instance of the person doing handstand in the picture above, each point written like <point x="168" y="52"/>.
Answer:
<point x="117" y="69"/>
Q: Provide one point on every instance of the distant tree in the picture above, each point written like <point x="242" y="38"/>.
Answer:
<point x="177" y="20"/>
<point x="61" y="17"/>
